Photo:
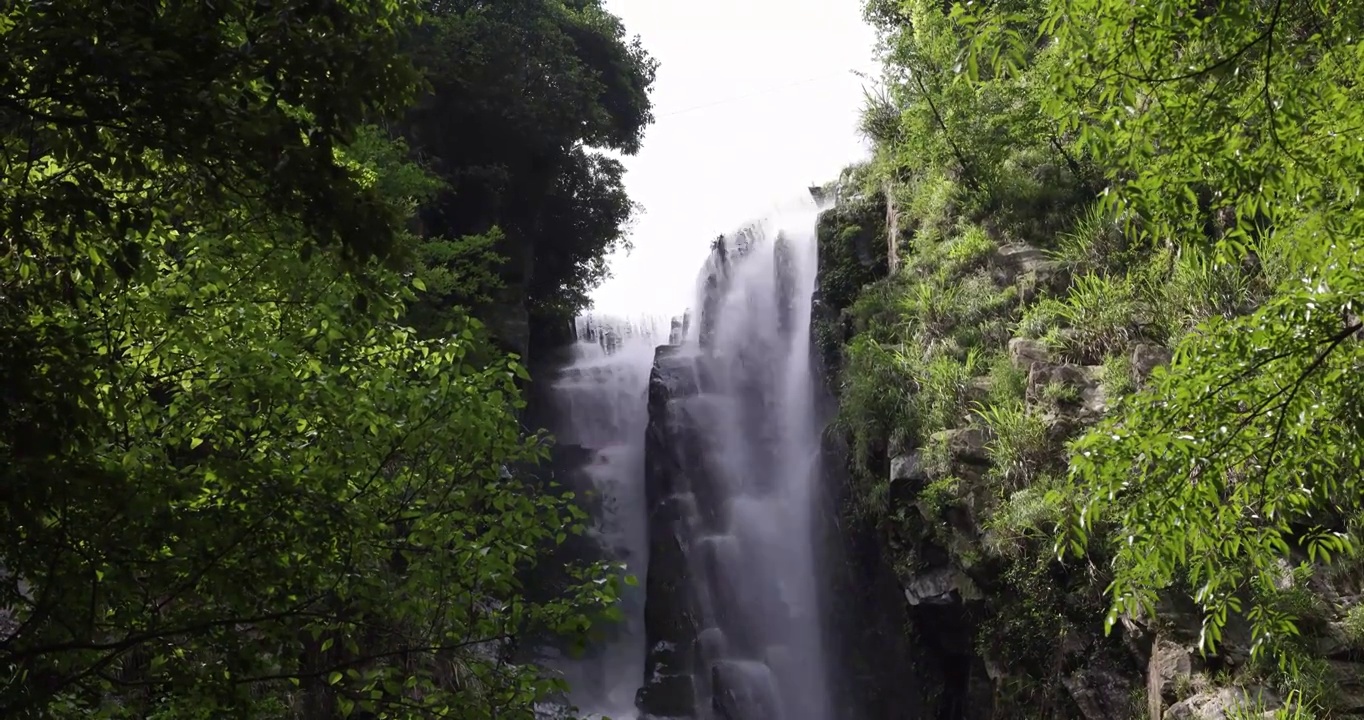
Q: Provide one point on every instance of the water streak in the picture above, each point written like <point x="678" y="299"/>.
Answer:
<point x="753" y="556"/>
<point x="600" y="408"/>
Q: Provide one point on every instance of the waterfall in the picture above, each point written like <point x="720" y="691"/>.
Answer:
<point x="714" y="472"/>
<point x="599" y="409"/>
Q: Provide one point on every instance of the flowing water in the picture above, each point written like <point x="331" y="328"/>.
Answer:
<point x="600" y="406"/>
<point x="749" y="477"/>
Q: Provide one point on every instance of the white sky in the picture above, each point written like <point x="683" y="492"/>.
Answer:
<point x="755" y="101"/>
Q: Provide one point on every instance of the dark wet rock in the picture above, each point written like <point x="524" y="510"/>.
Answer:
<point x="672" y="610"/>
<point x="676" y="331"/>
<point x="673" y="376"/>
<point x="666" y="696"/>
<point x="935" y="587"/>
<point x="742" y="690"/>
<point x="1100" y="694"/>
<point x="784" y="267"/>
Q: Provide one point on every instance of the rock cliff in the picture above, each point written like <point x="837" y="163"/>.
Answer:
<point x="956" y="390"/>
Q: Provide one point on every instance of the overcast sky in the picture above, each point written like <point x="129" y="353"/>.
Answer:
<point x="755" y="101"/>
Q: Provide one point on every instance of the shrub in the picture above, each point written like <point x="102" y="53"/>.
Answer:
<point x="933" y="203"/>
<point x="1354" y="626"/>
<point x="968" y="250"/>
<point x="1117" y="377"/>
<point x="1199" y="287"/>
<point x="1101" y="315"/>
<point x="942" y="385"/>
<point x="1096" y="244"/>
<point x="1018" y="445"/>
<point x="1029" y="513"/>
<point x="875" y="399"/>
<point x="1008" y="384"/>
<point x="939" y="495"/>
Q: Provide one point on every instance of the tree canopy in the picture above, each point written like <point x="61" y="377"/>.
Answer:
<point x="525" y="97"/>
<point x="236" y="481"/>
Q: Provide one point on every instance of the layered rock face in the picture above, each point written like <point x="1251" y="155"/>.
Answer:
<point x="949" y="502"/>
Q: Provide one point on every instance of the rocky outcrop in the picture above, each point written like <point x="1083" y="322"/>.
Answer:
<point x="672" y="614"/>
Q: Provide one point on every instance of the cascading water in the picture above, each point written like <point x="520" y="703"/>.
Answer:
<point x="599" y="408"/>
<point x="720" y="489"/>
<point x="753" y="555"/>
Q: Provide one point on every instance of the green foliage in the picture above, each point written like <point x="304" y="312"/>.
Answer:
<point x="524" y="96"/>
<point x="1117" y="377"/>
<point x="1244" y="450"/>
<point x="940" y="398"/>
<point x="1018" y="446"/>
<point x="1245" y="445"/>
<point x="1354" y="626"/>
<point x="1102" y="314"/>
<point x="1008" y="384"/>
<point x="1097" y="245"/>
<point x="852" y="250"/>
<point x="1200" y="287"/>
<point x="968" y="251"/>
<point x="236" y="94"/>
<point x="939" y="494"/>
<point x="1028" y="515"/>
<point x="875" y="399"/>
<point x="237" y="483"/>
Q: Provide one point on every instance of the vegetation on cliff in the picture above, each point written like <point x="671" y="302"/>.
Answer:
<point x="237" y="482"/>
<point x="1079" y="191"/>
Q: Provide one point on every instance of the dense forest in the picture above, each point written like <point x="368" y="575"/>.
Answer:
<point x="1106" y="260"/>
<point x="270" y="272"/>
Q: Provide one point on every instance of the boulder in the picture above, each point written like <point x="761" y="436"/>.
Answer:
<point x="1224" y="704"/>
<point x="1023" y="352"/>
<point x="1347" y="680"/>
<point x="1170" y="673"/>
<point x="978" y="389"/>
<point x="1030" y="268"/>
<point x="1146" y="358"/>
<point x="1087" y="399"/>
<point x="907" y="478"/>
<point x="964" y="445"/>
<point x="1014" y="259"/>
<point x="935" y="587"/>
<point x="673" y="376"/>
<point x="667" y="696"/>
